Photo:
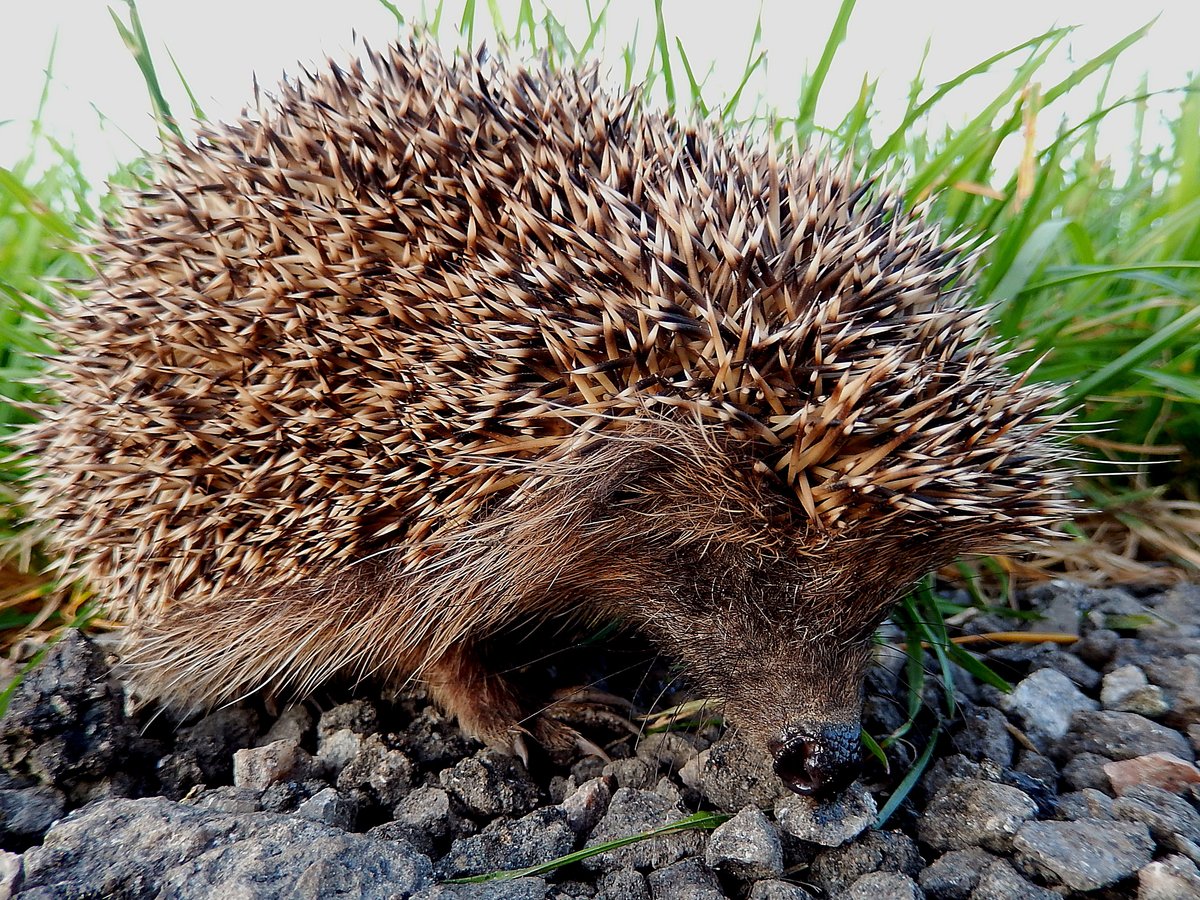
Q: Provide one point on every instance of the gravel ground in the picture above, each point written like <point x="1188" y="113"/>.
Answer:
<point x="1079" y="783"/>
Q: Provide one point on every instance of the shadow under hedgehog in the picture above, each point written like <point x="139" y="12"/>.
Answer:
<point x="425" y="347"/>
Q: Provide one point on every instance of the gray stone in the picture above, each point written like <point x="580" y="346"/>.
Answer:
<point x="1173" y="878"/>
<point x="689" y="879"/>
<point x="294" y="724"/>
<point x="747" y="847"/>
<point x="984" y="736"/>
<point x="624" y="884"/>
<point x="828" y="822"/>
<point x="1044" y="703"/>
<point x="972" y="813"/>
<point x="227" y="799"/>
<point x="736" y="774"/>
<point x="586" y="805"/>
<point x="1000" y="881"/>
<point x="213" y="741"/>
<point x="1097" y="648"/>
<point x="834" y="870"/>
<point x="1086" y="804"/>
<point x="1082" y="856"/>
<point x="64" y="723"/>
<point x="953" y="875"/>
<point x="157" y="848"/>
<point x="1086" y="772"/>
<point x="1040" y="768"/>
<point x="10" y="872"/>
<point x="330" y="807"/>
<point x="1120" y="735"/>
<point x="1176" y="669"/>
<point x="26" y="814"/>
<point x="668" y="789"/>
<point x="1168" y="816"/>
<point x="571" y="890"/>
<point x="507" y="844"/>
<point x="632" y="773"/>
<point x="426" y="819"/>
<point x="381" y="775"/>
<point x="1127" y="690"/>
<point x="286" y="796"/>
<point x="517" y="889"/>
<point x="958" y="766"/>
<point x="260" y="767"/>
<point x="491" y="784"/>
<point x="342" y="730"/>
<point x="778" y="890"/>
<point x="667" y="750"/>
<point x="885" y="886"/>
<point x="634" y="812"/>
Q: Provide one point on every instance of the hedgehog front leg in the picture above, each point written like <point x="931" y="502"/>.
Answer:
<point x="486" y="706"/>
<point x="484" y="702"/>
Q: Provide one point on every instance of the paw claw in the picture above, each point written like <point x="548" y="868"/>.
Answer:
<point x="589" y="748"/>
<point x="520" y="749"/>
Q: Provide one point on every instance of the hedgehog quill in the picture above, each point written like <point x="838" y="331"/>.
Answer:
<point x="426" y="347"/>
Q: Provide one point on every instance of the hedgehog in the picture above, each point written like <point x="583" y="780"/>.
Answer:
<point x="422" y="348"/>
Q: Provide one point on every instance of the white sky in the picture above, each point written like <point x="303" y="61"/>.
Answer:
<point x="220" y="44"/>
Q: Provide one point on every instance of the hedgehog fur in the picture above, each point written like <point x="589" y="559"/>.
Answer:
<point x="424" y="347"/>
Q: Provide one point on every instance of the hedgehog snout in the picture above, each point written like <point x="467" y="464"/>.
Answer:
<point x="823" y="759"/>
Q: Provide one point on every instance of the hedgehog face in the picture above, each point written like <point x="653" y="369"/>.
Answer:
<point x="784" y="649"/>
<point x="773" y="619"/>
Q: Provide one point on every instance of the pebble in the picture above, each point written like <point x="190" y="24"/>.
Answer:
<point x="884" y="886"/>
<point x="984" y="735"/>
<point x="1044" y="703"/>
<point x="631" y="812"/>
<point x="294" y="724"/>
<point x="1168" y="816"/>
<point x="736" y="774"/>
<point x="380" y="774"/>
<point x="624" y="884"/>
<point x="778" y="890"/>
<point x="1086" y="804"/>
<point x="585" y="806"/>
<point x="491" y="784"/>
<point x="260" y="767"/>
<point x="834" y="870"/>
<point x="330" y="807"/>
<point x="953" y="875"/>
<point x="1000" y="881"/>
<point x="632" y="773"/>
<point x="517" y="889"/>
<point x="1162" y="770"/>
<point x="10" y="871"/>
<point x="829" y="823"/>
<point x="1126" y="689"/>
<point x="1085" y="855"/>
<point x="689" y="878"/>
<point x="968" y="812"/>
<point x="1172" y="878"/>
<point x="1120" y="735"/>
<point x="667" y="750"/>
<point x="213" y="741"/>
<point x="1087" y="770"/>
<point x="26" y="814"/>
<point x="340" y="731"/>
<point x="747" y="847"/>
<point x="507" y="844"/>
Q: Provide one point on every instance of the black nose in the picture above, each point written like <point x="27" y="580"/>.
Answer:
<point x="821" y="760"/>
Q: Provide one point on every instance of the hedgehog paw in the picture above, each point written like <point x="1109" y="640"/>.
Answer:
<point x="557" y="727"/>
